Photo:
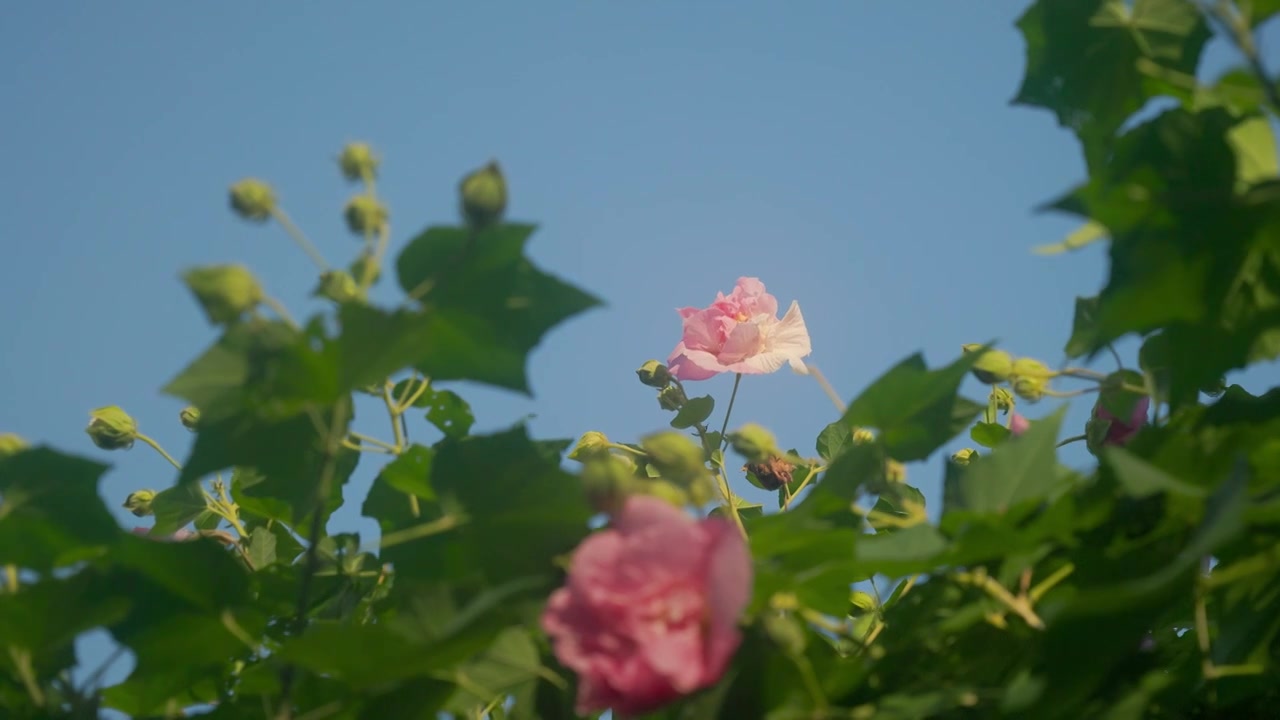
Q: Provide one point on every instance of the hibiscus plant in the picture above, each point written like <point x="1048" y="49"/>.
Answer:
<point x="517" y="577"/>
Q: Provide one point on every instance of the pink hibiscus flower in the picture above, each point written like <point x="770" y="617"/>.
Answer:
<point x="740" y="333"/>
<point x="650" y="609"/>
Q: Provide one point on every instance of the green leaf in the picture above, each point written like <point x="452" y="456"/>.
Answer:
<point x="910" y="550"/>
<point x="833" y="439"/>
<point x="989" y="434"/>
<point x="449" y="413"/>
<point x="177" y="507"/>
<point x="1140" y="479"/>
<point x="746" y="510"/>
<point x="510" y="665"/>
<point x="915" y="409"/>
<point x="1260" y="10"/>
<point x="44" y="618"/>
<point x="1083" y="327"/>
<point x="1019" y="471"/>
<point x="262" y="547"/>
<point x="1082" y="58"/>
<point x="487" y="306"/>
<point x="411" y="472"/>
<point x="50" y="512"/>
<point x="516" y="510"/>
<point x="695" y="411"/>
<point x="1086" y="234"/>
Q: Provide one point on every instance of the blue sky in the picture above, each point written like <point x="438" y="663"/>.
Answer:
<point x="861" y="158"/>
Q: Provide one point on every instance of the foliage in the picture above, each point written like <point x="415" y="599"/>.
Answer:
<point x="1147" y="586"/>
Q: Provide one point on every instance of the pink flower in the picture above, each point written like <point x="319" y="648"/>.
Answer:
<point x="650" y="609"/>
<point x="1121" y="432"/>
<point x="1018" y="424"/>
<point x="740" y="333"/>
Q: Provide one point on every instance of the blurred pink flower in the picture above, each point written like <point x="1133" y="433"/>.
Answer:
<point x="1018" y="424"/>
<point x="740" y="333"/>
<point x="650" y="609"/>
<point x="180" y="535"/>
<point x="1122" y="431"/>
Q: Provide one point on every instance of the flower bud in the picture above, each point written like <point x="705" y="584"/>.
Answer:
<point x="994" y="366"/>
<point x="190" y="417"/>
<point x="964" y="456"/>
<point x="365" y="215"/>
<point x="772" y="473"/>
<point x="607" y="480"/>
<point x="1018" y="424"/>
<point x="860" y="602"/>
<point x="654" y="374"/>
<point x="591" y="444"/>
<point x="111" y="428"/>
<point x="484" y="196"/>
<point x="1032" y="368"/>
<point x="253" y="199"/>
<point x="11" y="444"/>
<point x="1003" y="398"/>
<point x="358" y="161"/>
<point x="754" y="443"/>
<point x="224" y="291"/>
<point x="894" y="471"/>
<point x="785" y="631"/>
<point x="1117" y="431"/>
<point x="338" y="286"/>
<point x="672" y="398"/>
<point x="674" y="455"/>
<point x="1030" y="389"/>
<point x="139" y="502"/>
<point x="863" y="436"/>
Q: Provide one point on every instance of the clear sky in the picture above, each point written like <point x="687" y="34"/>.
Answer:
<point x="859" y="157"/>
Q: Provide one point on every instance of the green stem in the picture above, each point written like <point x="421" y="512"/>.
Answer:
<point x="231" y="511"/>
<point x="22" y="663"/>
<point x="1048" y="583"/>
<point x="1223" y="11"/>
<point x="1071" y="393"/>
<point x="826" y="387"/>
<point x="722" y="478"/>
<point x="1082" y="373"/>
<point x="156" y="446"/>
<point x="394" y="412"/>
<point x="11" y="577"/>
<point x="812" y="473"/>
<point x="302" y="241"/>
<point x="1116" y="355"/>
<point x="371" y="440"/>
<point x="724" y="426"/>
<point x="280" y="310"/>
<point x="417" y="532"/>
<point x="1073" y="438"/>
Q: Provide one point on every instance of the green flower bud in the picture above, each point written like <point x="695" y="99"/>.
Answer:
<point x="484" y="196"/>
<point x="139" y="502"/>
<point x="111" y="428"/>
<point x="863" y="436"/>
<point x="189" y="416"/>
<point x="994" y="366"/>
<point x="754" y="443"/>
<point x="894" y="471"/>
<point x="669" y="492"/>
<point x="785" y="631"/>
<point x="672" y="398"/>
<point x="964" y="456"/>
<point x="674" y="455"/>
<point x="654" y="374"/>
<point x="591" y="444"/>
<point x="607" y="480"/>
<point x="1029" y="388"/>
<point x="224" y="291"/>
<point x="338" y="286"/>
<point x="358" y="161"/>
<point x="1032" y="368"/>
<point x="365" y="215"/>
<point x="11" y="444"/>
<point x="1004" y="399"/>
<point x="253" y="200"/>
<point x="860" y="602"/>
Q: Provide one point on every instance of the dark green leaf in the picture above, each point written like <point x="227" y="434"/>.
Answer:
<point x="449" y="413"/>
<point x="411" y="472"/>
<point x="1017" y="472"/>
<point x="697" y="410"/>
<point x="262" y="547"/>
<point x="50" y="511"/>
<point x="833" y="439"/>
<point x="1083" y="326"/>
<point x="1083" y="58"/>
<point x="915" y="409"/>
<point x="1140" y="479"/>
<point x="989" y="434"/>
<point x="177" y="507"/>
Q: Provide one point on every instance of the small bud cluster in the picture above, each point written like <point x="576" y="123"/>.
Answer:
<point x="667" y="465"/>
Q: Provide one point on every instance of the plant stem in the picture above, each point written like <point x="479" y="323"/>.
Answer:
<point x="417" y="532"/>
<point x="737" y="378"/>
<point x="1018" y="606"/>
<point x="156" y="446"/>
<point x="283" y="218"/>
<point x="11" y="578"/>
<point x="394" y="412"/>
<point x="826" y="387"/>
<point x="1073" y="438"/>
<point x="280" y="310"/>
<point x="812" y="473"/>
<point x="1223" y="11"/>
<point x="1048" y="583"/>
<point x="371" y="440"/>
